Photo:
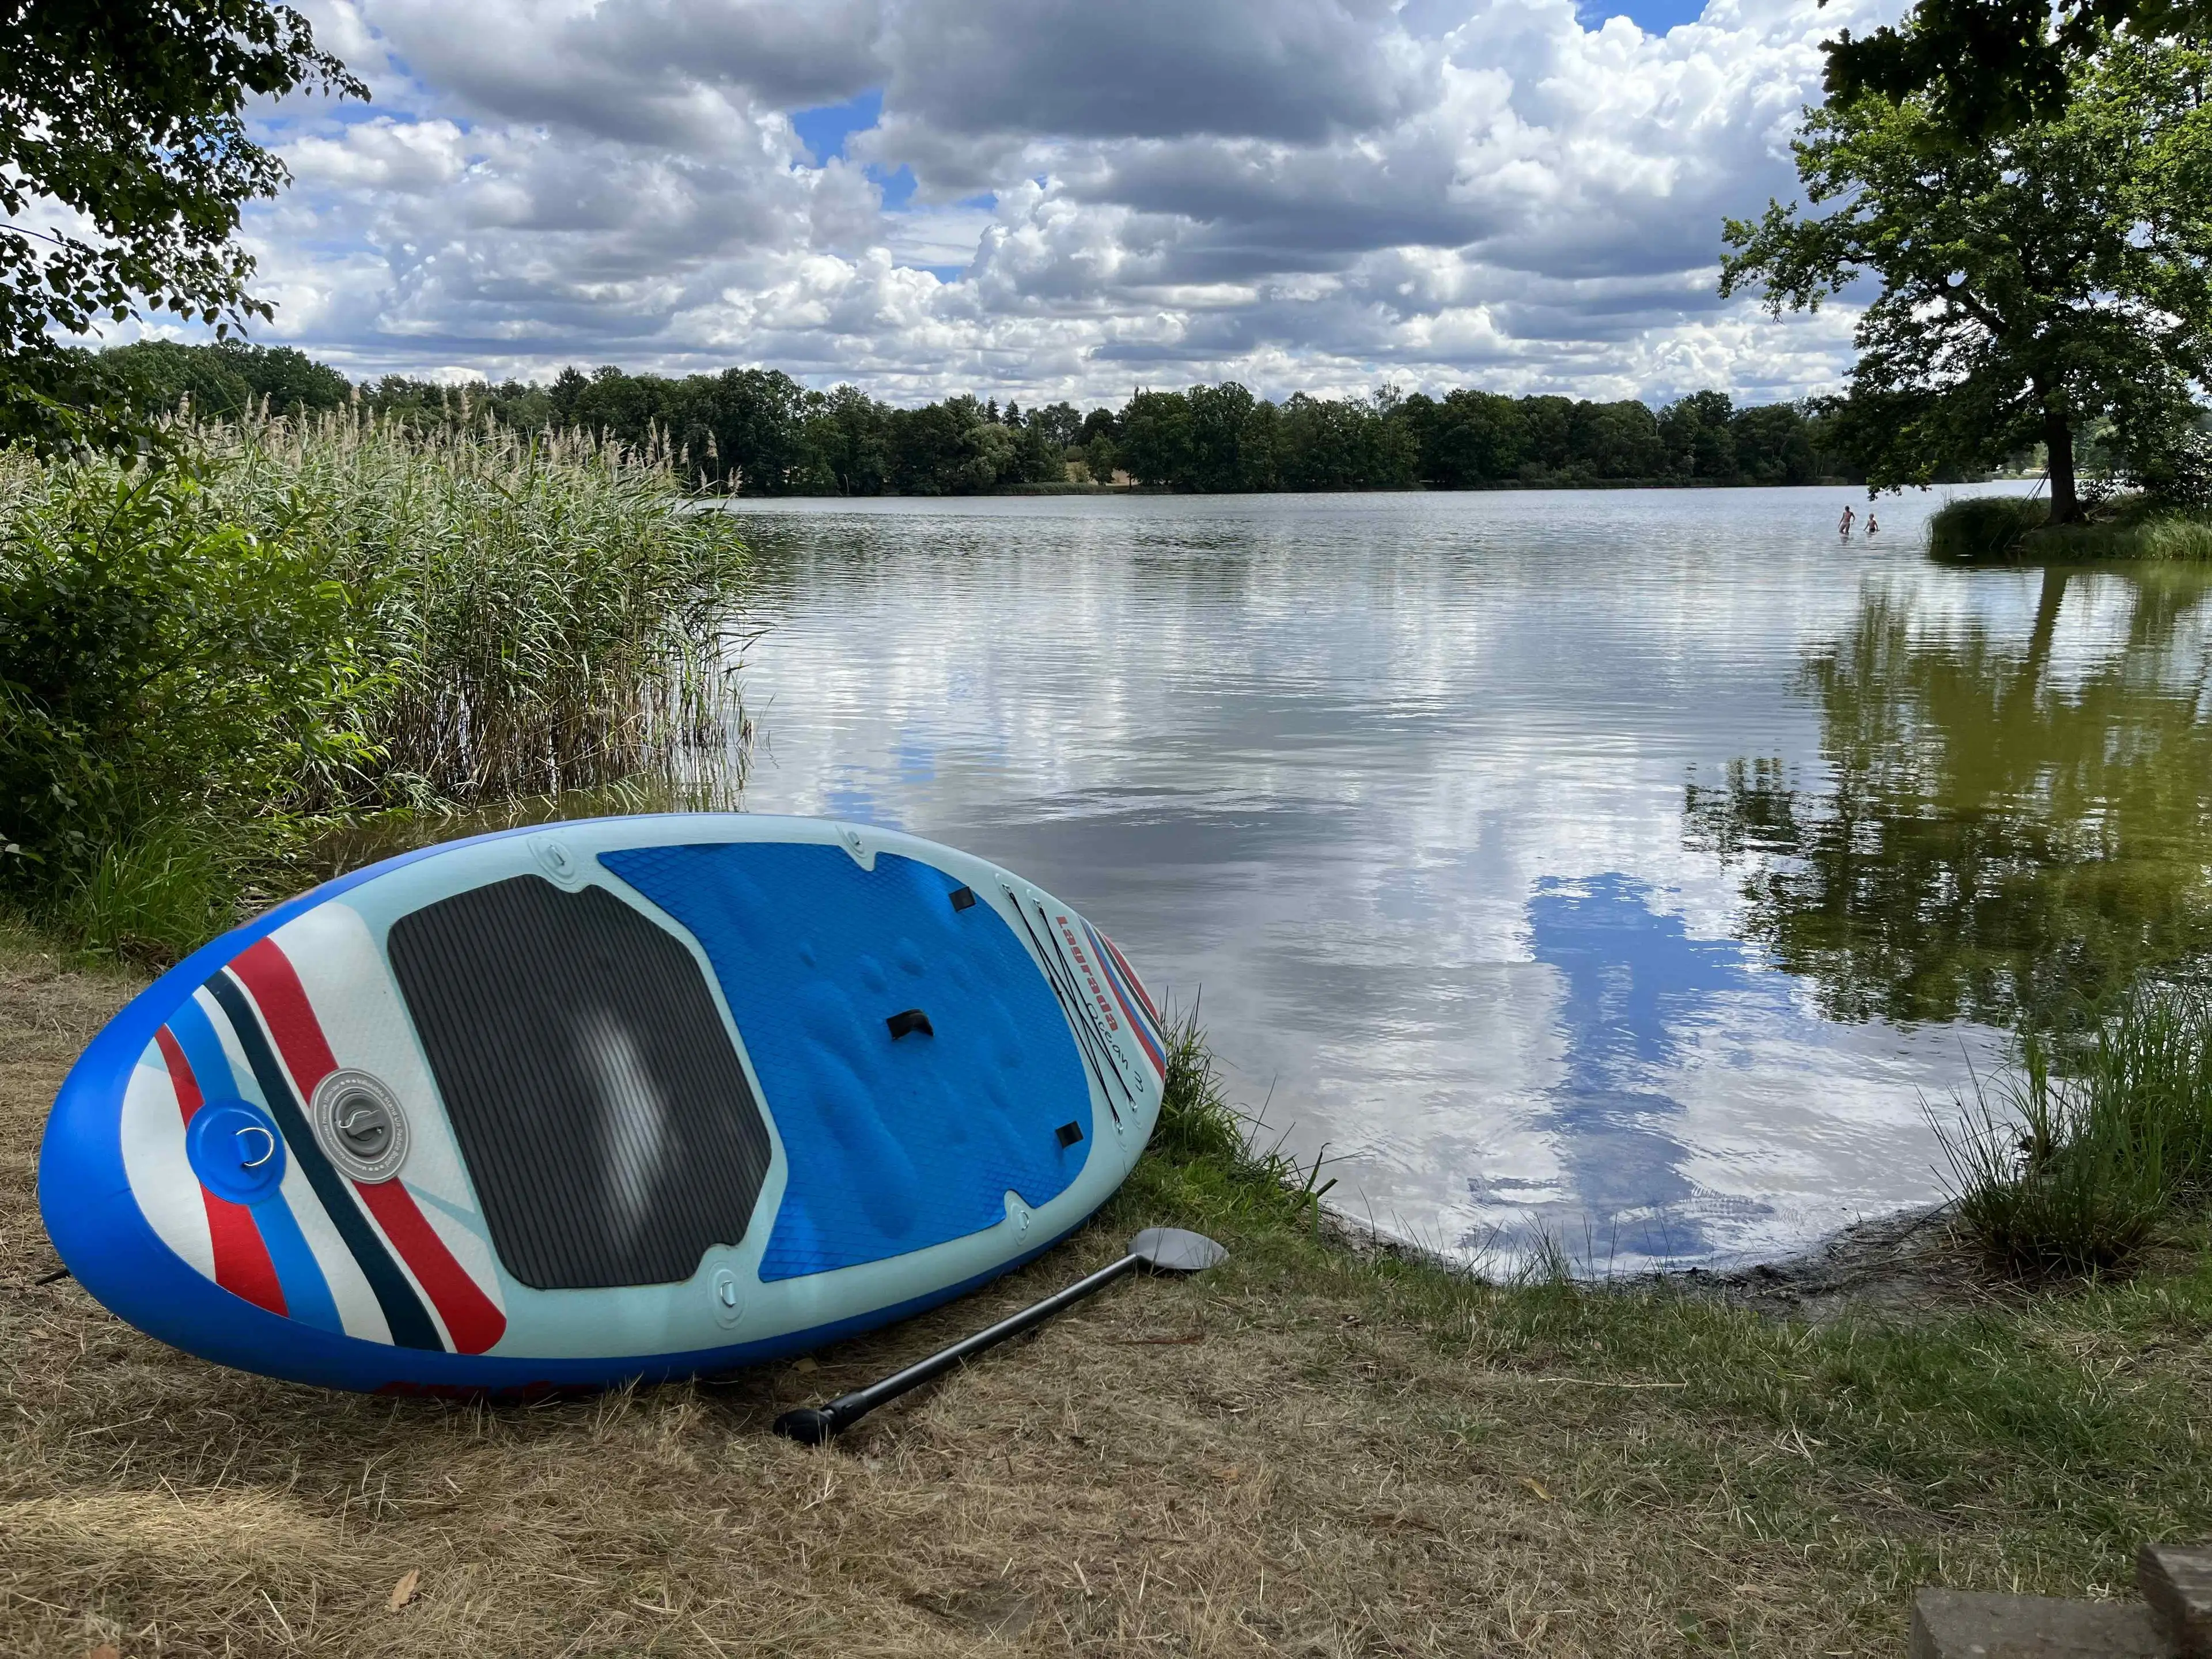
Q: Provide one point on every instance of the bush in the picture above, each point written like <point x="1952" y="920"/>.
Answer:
<point x="2001" y="529"/>
<point x="163" y="671"/>
<point x="201" y="667"/>
<point x="1983" y="529"/>
<point x="2075" y="1173"/>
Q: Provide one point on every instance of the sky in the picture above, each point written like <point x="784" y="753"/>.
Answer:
<point x="1041" y="199"/>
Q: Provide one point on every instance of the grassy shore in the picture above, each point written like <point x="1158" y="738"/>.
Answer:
<point x="2006" y="529"/>
<point x="1320" y="1447"/>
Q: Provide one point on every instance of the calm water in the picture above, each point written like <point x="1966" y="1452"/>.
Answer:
<point x="1632" y="867"/>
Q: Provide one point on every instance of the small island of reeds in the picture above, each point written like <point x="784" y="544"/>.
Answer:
<point x="2009" y="529"/>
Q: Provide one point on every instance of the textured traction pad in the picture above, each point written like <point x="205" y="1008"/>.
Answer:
<point x="893" y="1144"/>
<point x="590" y="1079"/>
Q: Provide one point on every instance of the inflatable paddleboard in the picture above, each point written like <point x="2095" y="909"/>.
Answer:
<point x="598" y="1100"/>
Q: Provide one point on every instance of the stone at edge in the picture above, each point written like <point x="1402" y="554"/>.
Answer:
<point x="1966" y="1624"/>
<point x="2178" y="1584"/>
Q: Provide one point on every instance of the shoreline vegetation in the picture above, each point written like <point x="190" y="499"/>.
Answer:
<point x="299" y="627"/>
<point x="758" y="432"/>
<point x="1329" y="1443"/>
<point x="2010" y="529"/>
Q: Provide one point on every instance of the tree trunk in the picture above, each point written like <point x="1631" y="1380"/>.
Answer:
<point x="2058" y="445"/>
<point x="2047" y="605"/>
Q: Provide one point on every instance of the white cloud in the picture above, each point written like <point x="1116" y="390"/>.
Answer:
<point x="1297" y="193"/>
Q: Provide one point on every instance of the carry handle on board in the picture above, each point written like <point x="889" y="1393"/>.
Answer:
<point x="1162" y="1249"/>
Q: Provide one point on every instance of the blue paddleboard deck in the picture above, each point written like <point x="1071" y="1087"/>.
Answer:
<point x="603" y="1099"/>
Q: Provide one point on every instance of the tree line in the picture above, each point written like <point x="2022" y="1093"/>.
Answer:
<point x="755" y="431"/>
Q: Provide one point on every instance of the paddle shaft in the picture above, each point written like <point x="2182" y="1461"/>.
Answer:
<point x="817" y="1425"/>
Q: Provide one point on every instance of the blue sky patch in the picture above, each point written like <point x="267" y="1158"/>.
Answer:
<point x="824" y="129"/>
<point x="1652" y="17"/>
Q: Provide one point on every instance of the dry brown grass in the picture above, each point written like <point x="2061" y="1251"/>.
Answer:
<point x="1303" y="1452"/>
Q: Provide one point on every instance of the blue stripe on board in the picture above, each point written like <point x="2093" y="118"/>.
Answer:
<point x="403" y="1314"/>
<point x="306" y="1293"/>
<point x="204" y="1050"/>
<point x="1132" y="1004"/>
<point x="307" y="1296"/>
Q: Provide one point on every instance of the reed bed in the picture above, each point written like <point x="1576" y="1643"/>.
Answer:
<point x="303" y="625"/>
<point x="2003" y="529"/>
<point x="2073" y="1162"/>
<point x="545" y="612"/>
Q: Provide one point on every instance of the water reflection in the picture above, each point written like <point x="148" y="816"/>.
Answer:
<point x="1636" y="990"/>
<point x="2014" y="815"/>
<point x="1397" y="782"/>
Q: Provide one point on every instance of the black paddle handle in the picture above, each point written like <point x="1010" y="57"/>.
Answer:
<point x="813" y="1425"/>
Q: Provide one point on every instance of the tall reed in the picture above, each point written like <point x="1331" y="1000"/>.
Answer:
<point x="544" y="607"/>
<point x="2001" y="529"/>
<point x="305" y="622"/>
<point x="2071" y="1161"/>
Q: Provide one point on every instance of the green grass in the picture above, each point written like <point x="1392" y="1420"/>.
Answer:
<point x="2046" y="1431"/>
<point x="1983" y="529"/>
<point x="2074" y="1161"/>
<point x="205" y="670"/>
<point x="1219" y="1147"/>
<point x="2004" y="529"/>
<point x="165" y="886"/>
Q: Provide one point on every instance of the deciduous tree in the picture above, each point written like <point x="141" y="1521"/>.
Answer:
<point x="124" y="158"/>
<point x="2029" y="283"/>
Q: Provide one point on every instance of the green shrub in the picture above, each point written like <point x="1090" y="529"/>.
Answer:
<point x="1983" y="529"/>
<point x="307" y="621"/>
<point x="160" y="665"/>
<point x="2075" y="1173"/>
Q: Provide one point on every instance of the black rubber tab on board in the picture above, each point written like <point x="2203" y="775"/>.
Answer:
<point x="595" y="1095"/>
<point x="912" y="1020"/>
<point x="963" y="898"/>
<point x="1068" y="1133"/>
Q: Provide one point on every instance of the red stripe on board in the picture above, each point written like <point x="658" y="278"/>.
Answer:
<point x="187" y="1087"/>
<point x="1144" y="1037"/>
<point x="1136" y="1024"/>
<point x="1136" y="984"/>
<point x="470" y="1318"/>
<point x="242" y="1265"/>
<point x="267" y="972"/>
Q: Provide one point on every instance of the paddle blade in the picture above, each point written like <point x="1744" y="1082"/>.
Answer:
<point x="1172" y="1250"/>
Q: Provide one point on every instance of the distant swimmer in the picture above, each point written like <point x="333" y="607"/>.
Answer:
<point x="1874" y="527"/>
<point x="1844" y="523"/>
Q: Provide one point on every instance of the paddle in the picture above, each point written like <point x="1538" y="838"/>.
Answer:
<point x="1161" y="1249"/>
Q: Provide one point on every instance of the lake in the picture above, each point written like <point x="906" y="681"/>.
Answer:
<point x="1635" y="869"/>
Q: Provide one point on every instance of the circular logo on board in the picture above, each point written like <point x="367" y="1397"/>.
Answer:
<point x="359" y="1126"/>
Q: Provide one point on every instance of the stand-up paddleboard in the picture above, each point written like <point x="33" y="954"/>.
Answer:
<point x="623" y="1097"/>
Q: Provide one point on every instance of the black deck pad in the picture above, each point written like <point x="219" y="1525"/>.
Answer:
<point x="597" y="1097"/>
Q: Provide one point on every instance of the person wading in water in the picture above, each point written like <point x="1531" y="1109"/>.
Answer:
<point x="1844" y="523"/>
